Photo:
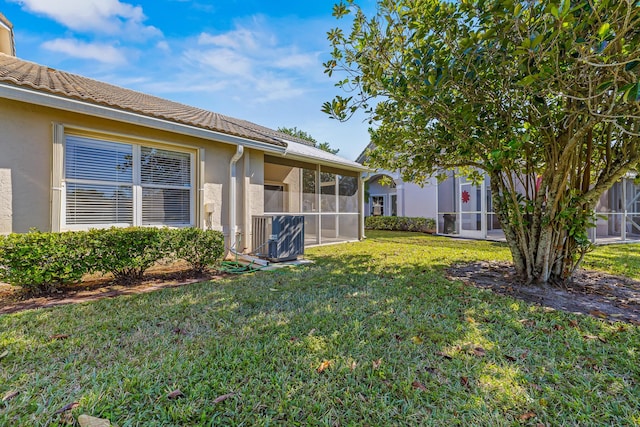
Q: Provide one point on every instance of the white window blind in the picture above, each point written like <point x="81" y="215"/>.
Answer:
<point x="166" y="187"/>
<point x="101" y="178"/>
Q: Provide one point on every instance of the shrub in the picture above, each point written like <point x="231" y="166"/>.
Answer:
<point x="400" y="223"/>
<point x="127" y="252"/>
<point x="200" y="248"/>
<point x="39" y="262"/>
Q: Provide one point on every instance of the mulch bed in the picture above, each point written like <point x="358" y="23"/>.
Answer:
<point x="11" y="300"/>
<point x="594" y="293"/>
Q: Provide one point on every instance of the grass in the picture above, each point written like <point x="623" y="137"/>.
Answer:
<point x="371" y="334"/>
<point x="622" y="260"/>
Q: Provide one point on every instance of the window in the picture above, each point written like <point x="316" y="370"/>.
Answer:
<point x="111" y="183"/>
<point x="165" y="177"/>
<point x="377" y="205"/>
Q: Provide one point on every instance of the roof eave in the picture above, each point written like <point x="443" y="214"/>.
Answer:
<point x="31" y="96"/>
<point x="325" y="162"/>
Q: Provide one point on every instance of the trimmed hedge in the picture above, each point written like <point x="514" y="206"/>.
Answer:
<point x="199" y="248"/>
<point x="127" y="252"/>
<point x="400" y="223"/>
<point x="40" y="262"/>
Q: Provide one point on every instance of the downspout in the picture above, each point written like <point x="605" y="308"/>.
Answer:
<point x="233" y="197"/>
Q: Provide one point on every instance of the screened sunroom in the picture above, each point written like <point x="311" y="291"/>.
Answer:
<point x="618" y="213"/>
<point x="327" y="197"/>
<point x="466" y="209"/>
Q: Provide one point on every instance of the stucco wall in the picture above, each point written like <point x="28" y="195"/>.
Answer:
<point x="6" y="202"/>
<point x="419" y="201"/>
<point x="253" y="172"/>
<point x="26" y="158"/>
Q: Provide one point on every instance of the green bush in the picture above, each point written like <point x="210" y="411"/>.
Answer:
<point x="400" y="223"/>
<point x="39" y="262"/>
<point x="127" y="252"/>
<point x="200" y="248"/>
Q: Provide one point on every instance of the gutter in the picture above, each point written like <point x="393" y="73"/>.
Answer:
<point x="72" y="105"/>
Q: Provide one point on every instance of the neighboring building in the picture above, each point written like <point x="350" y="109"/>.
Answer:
<point x="463" y="208"/>
<point x="76" y="153"/>
<point x="396" y="197"/>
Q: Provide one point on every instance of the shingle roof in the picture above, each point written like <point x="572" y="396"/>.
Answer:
<point x="18" y="72"/>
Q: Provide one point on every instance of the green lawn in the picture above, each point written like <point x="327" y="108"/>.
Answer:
<point x="401" y="346"/>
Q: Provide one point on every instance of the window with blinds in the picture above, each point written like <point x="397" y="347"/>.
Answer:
<point x="166" y="187"/>
<point x="109" y="183"/>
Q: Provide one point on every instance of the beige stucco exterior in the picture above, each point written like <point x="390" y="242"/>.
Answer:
<point x="25" y="161"/>
<point x="26" y="150"/>
<point x="6" y="36"/>
<point x="31" y="169"/>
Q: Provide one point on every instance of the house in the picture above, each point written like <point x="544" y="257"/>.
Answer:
<point x="463" y="208"/>
<point x="388" y="195"/>
<point x="76" y="153"/>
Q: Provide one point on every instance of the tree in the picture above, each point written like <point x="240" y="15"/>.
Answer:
<point x="298" y="133"/>
<point x="542" y="96"/>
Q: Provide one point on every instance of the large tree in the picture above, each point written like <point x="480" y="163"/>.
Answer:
<point x="299" y="133"/>
<point x="541" y="96"/>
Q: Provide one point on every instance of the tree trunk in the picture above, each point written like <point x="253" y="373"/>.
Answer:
<point x="547" y="245"/>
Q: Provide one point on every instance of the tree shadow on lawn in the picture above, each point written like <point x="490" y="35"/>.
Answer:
<point x="594" y="293"/>
<point x="400" y="345"/>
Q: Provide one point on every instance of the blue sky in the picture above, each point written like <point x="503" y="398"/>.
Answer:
<point x="257" y="60"/>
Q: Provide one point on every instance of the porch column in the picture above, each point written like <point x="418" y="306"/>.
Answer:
<point x="361" y="180"/>
<point x="400" y="204"/>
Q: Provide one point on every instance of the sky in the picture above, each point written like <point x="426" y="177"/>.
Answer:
<point x="256" y="60"/>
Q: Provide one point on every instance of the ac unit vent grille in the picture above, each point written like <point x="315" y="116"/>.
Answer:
<point x="278" y="237"/>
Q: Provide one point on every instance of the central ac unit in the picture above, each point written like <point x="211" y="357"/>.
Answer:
<point x="278" y="237"/>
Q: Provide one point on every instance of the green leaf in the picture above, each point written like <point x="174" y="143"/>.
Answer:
<point x="631" y="65"/>
<point x="340" y="10"/>
<point x="536" y="41"/>
<point x="527" y="80"/>
<point x="604" y="30"/>
<point x="631" y="92"/>
<point x="604" y="86"/>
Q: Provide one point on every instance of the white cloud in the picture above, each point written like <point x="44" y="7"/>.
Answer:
<point x="241" y="39"/>
<point x="296" y="60"/>
<point x="252" y="60"/>
<point x="223" y="61"/>
<point x="97" y="51"/>
<point x="276" y="90"/>
<point x="95" y="16"/>
<point x="163" y="45"/>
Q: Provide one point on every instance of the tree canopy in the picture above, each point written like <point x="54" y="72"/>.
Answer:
<point x="542" y="97"/>
<point x="299" y="133"/>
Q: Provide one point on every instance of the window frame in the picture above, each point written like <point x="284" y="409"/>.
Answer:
<point x="136" y="184"/>
<point x="383" y="197"/>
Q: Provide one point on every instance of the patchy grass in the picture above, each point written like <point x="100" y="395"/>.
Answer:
<point x="623" y="259"/>
<point x="372" y="334"/>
